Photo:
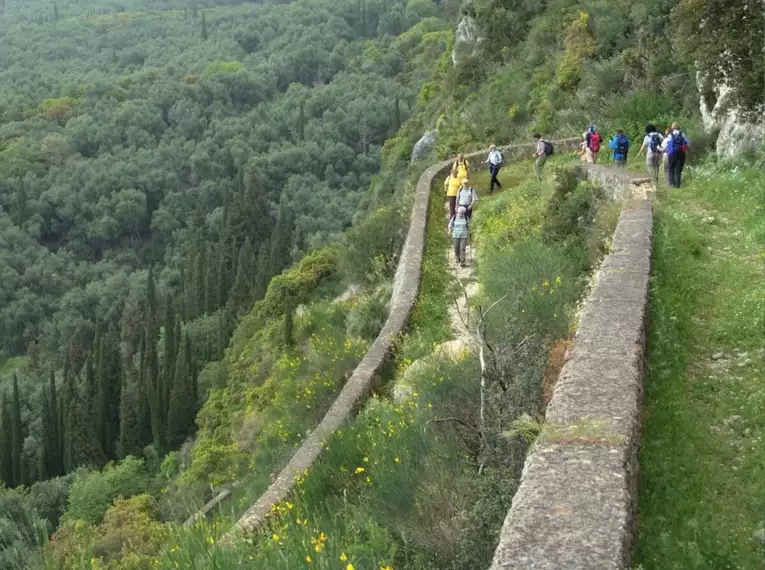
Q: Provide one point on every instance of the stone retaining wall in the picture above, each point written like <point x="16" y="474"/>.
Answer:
<point x="405" y="289"/>
<point x="575" y="507"/>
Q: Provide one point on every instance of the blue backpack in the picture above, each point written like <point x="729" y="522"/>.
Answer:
<point x="655" y="143"/>
<point x="677" y="144"/>
<point x="622" y="146"/>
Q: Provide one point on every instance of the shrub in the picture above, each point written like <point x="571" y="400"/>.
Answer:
<point x="368" y="314"/>
<point x="92" y="492"/>
<point x="374" y="245"/>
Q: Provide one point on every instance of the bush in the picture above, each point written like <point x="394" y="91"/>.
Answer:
<point x="49" y="498"/>
<point x="92" y="492"/>
<point x="368" y="314"/>
<point x="22" y="531"/>
<point x="374" y="245"/>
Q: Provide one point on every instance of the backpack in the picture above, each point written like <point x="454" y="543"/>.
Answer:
<point x="654" y="144"/>
<point x="548" y="148"/>
<point x="622" y="145"/>
<point x="677" y="144"/>
<point x="595" y="142"/>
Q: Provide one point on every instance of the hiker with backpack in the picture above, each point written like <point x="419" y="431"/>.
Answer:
<point x="495" y="163"/>
<point x="676" y="147"/>
<point x="459" y="231"/>
<point x="544" y="149"/>
<point x="466" y="197"/>
<point x="620" y="145"/>
<point x="652" y="146"/>
<point x="452" y="185"/>
<point x="463" y="169"/>
<point x="593" y="140"/>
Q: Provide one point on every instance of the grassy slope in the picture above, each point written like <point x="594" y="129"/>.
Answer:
<point x="703" y="455"/>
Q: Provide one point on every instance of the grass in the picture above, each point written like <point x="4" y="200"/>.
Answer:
<point x="702" y="463"/>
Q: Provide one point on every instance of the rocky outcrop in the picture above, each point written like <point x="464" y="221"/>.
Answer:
<point x="424" y="146"/>
<point x="576" y="504"/>
<point x="466" y="40"/>
<point x="736" y="136"/>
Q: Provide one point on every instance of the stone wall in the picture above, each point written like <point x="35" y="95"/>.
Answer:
<point x="405" y="288"/>
<point x="576" y="504"/>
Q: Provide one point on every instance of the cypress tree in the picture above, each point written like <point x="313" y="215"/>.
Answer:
<point x="91" y="384"/>
<point x="17" y="435"/>
<point x="211" y="282"/>
<point x="180" y="418"/>
<point x="397" y="114"/>
<point x="281" y="240"/>
<point x="144" y="408"/>
<point x="199" y="278"/>
<point x="55" y="12"/>
<point x="183" y="297"/>
<point x="152" y="379"/>
<point x="57" y="452"/>
<point x="204" y="27"/>
<point x="289" y="322"/>
<point x="262" y="272"/>
<point x="6" y="443"/>
<point x="301" y="121"/>
<point x="44" y="469"/>
<point x="241" y="293"/>
<point x="130" y="436"/>
<point x="107" y="410"/>
<point x="169" y="355"/>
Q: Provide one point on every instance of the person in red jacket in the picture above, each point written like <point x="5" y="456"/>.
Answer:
<point x="593" y="140"/>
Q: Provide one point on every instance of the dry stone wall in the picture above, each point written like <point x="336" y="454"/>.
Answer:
<point x="575" y="507"/>
<point x="358" y="387"/>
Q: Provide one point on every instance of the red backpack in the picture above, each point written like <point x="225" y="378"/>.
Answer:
<point x="595" y="142"/>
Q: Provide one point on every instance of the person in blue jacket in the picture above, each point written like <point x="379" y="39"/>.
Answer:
<point x="620" y="146"/>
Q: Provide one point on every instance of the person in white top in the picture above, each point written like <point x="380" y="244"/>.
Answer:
<point x="495" y="163"/>
<point x="653" y="146"/>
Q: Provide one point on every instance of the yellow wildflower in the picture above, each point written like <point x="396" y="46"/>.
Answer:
<point x="308" y="559"/>
<point x="275" y="536"/>
<point x="397" y="460"/>
<point x="359" y="470"/>
<point x="343" y="557"/>
<point x="350" y="567"/>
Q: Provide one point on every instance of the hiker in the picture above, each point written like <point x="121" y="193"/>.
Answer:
<point x="452" y="186"/>
<point x="620" y="145"/>
<point x="463" y="169"/>
<point x="466" y="197"/>
<point x="676" y="146"/>
<point x="593" y="140"/>
<point x="665" y="160"/>
<point x="652" y="147"/>
<point x="544" y="149"/>
<point x="459" y="230"/>
<point x="584" y="153"/>
<point x="495" y="163"/>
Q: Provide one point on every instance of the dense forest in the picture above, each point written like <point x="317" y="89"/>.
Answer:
<point x="185" y="187"/>
<point x="212" y="146"/>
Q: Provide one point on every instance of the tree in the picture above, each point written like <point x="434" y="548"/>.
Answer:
<point x="130" y="434"/>
<point x="263" y="272"/>
<point x="55" y="12"/>
<point x="17" y="436"/>
<point x="109" y="378"/>
<point x="241" y="293"/>
<point x="170" y="352"/>
<point x="6" y="443"/>
<point x="151" y="377"/>
<point x="57" y="452"/>
<point x="49" y="446"/>
<point x="289" y="322"/>
<point x="81" y="445"/>
<point x="145" y="434"/>
<point x="204" y="27"/>
<point x="281" y="241"/>
<point x="180" y="417"/>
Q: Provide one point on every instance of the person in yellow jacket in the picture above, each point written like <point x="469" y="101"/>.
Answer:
<point x="452" y="186"/>
<point x="463" y="169"/>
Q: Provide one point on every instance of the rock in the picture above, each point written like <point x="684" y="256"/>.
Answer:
<point x="466" y="40"/>
<point x="735" y="135"/>
<point x="424" y="146"/>
<point x="759" y="534"/>
<point x="348" y="294"/>
<point x="717" y="355"/>
<point x="300" y="310"/>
